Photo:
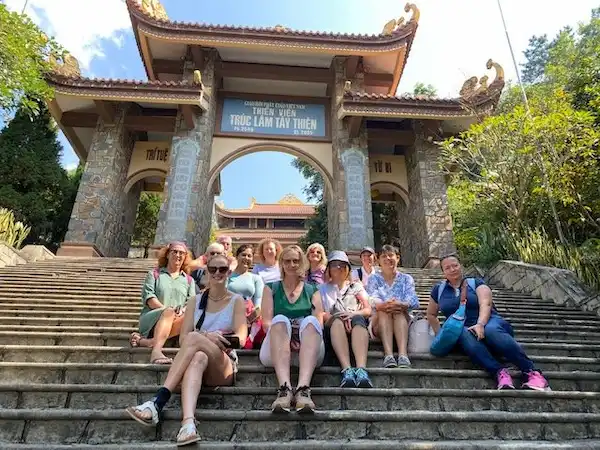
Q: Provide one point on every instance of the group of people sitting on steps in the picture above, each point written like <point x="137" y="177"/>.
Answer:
<point x="293" y="306"/>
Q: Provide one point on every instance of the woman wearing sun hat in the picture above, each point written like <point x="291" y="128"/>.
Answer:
<point x="347" y="309"/>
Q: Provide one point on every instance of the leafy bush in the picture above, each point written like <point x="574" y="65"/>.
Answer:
<point x="536" y="247"/>
<point x="12" y="232"/>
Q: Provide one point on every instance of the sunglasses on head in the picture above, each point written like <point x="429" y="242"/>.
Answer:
<point x="215" y="253"/>
<point x="214" y="269"/>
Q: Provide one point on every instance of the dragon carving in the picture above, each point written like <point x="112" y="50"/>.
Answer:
<point x="154" y="9"/>
<point x="393" y="25"/>
<point x="66" y="65"/>
<point x="475" y="86"/>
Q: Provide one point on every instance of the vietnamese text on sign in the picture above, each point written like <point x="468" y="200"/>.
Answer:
<point x="275" y="118"/>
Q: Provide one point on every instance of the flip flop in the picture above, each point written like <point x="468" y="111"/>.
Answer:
<point x="190" y="434"/>
<point x="134" y="340"/>
<point x="162" y="360"/>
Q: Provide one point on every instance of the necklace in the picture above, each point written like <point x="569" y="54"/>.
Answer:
<point x="291" y="294"/>
<point x="218" y="299"/>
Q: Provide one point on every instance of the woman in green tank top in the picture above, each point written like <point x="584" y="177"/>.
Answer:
<point x="293" y="320"/>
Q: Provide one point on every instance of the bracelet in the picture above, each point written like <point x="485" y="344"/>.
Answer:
<point x="482" y="324"/>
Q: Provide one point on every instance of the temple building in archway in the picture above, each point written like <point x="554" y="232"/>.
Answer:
<point x="215" y="93"/>
<point x="285" y="221"/>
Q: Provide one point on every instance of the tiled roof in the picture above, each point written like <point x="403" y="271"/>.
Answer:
<point x="277" y="31"/>
<point x="115" y="83"/>
<point x="401" y="98"/>
<point x="269" y="209"/>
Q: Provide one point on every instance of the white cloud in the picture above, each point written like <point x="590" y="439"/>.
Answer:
<point x="79" y="26"/>
<point x="71" y="166"/>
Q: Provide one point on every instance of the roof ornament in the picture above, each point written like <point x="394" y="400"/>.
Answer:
<point x="393" y="25"/>
<point x="154" y="9"/>
<point x="475" y="86"/>
<point x="252" y="202"/>
<point x="66" y="65"/>
<point x="280" y="28"/>
<point x="197" y="77"/>
<point x="347" y="86"/>
<point x="290" y="199"/>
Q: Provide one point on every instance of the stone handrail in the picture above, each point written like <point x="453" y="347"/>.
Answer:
<point x="550" y="283"/>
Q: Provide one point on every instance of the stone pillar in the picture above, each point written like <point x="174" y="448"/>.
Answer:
<point x="104" y="215"/>
<point x="350" y="220"/>
<point x="186" y="212"/>
<point x="428" y="221"/>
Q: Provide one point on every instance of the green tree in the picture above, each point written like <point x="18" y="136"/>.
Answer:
<point x="536" y="58"/>
<point x="24" y="58"/>
<point x="385" y="224"/>
<point x="317" y="225"/>
<point x="32" y="182"/>
<point x="424" y="89"/>
<point x="502" y="158"/>
<point x="144" y="229"/>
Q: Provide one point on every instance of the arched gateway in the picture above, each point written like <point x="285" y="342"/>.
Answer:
<point x="217" y="92"/>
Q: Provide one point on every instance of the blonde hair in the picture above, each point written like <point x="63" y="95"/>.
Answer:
<point x="302" y="267"/>
<point x="323" y="262"/>
<point x="261" y="249"/>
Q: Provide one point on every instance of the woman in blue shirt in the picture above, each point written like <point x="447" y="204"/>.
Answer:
<point x="485" y="330"/>
<point x="393" y="296"/>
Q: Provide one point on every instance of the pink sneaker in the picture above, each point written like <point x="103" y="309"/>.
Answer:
<point x="504" y="380"/>
<point x="536" y="381"/>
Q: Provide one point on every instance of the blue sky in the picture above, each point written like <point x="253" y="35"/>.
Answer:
<point x="454" y="40"/>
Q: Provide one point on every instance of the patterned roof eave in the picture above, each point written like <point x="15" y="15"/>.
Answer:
<point x="419" y="107"/>
<point x="261" y="233"/>
<point x="212" y="35"/>
<point x="172" y="92"/>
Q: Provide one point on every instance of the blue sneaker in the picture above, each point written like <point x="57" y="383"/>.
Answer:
<point x="362" y="378"/>
<point x="348" y="378"/>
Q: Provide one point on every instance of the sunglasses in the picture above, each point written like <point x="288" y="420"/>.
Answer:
<point x="337" y="265"/>
<point x="215" y="253"/>
<point x="291" y="261"/>
<point x="221" y="269"/>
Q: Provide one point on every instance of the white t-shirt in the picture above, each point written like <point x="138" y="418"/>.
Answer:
<point x="269" y="274"/>
<point x="365" y="275"/>
<point x="339" y="300"/>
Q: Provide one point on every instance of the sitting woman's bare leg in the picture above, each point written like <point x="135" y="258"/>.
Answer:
<point x="385" y="331"/>
<point x="190" y="389"/>
<point x="162" y="330"/>
<point x="401" y="335"/>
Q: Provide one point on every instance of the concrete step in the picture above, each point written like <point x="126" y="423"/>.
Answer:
<point x="516" y="321"/>
<point x="588" y="347"/>
<point x="115" y="396"/>
<point x="110" y="337"/>
<point x="519" y="327"/>
<point x="256" y="375"/>
<point x="99" y="354"/>
<point x="91" y="426"/>
<point x="342" y="444"/>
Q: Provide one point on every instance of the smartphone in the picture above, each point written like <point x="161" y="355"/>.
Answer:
<point x="234" y="341"/>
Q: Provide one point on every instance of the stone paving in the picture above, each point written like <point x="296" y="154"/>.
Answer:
<point x="68" y="372"/>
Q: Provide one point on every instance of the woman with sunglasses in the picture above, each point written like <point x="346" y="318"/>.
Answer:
<point x="293" y="320"/>
<point x="318" y="261"/>
<point x="347" y="310"/>
<point x="214" y="322"/>
<point x="164" y="293"/>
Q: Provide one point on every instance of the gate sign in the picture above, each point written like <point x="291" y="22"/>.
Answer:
<point x="278" y="118"/>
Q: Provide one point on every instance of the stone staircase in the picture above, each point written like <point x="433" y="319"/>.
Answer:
<point x="67" y="373"/>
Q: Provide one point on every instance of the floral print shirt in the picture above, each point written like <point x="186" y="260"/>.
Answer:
<point x="402" y="289"/>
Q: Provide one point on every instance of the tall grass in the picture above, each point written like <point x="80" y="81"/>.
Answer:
<point x="12" y="232"/>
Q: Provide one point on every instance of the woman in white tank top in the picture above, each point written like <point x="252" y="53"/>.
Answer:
<point x="204" y="353"/>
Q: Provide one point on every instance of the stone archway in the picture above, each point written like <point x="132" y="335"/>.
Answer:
<point x="225" y="151"/>
<point x="392" y="193"/>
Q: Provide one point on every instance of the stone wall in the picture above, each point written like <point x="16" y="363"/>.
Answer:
<point x="426" y="222"/>
<point x="350" y="225"/>
<point x="550" y="283"/>
<point x="186" y="212"/>
<point x="104" y="215"/>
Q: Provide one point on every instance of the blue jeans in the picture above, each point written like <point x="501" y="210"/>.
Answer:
<point x="498" y="339"/>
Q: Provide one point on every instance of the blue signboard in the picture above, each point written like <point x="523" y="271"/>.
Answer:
<point x="276" y="118"/>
